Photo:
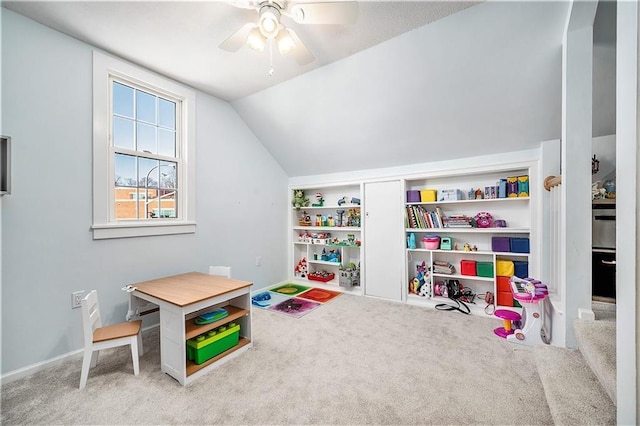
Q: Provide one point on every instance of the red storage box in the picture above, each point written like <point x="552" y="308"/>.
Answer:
<point x="468" y="267"/>
<point x="505" y="298"/>
<point x="321" y="276"/>
<point x="503" y="284"/>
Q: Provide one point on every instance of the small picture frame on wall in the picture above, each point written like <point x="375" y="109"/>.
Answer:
<point x="5" y="165"/>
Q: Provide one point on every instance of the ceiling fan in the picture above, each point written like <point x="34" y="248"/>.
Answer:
<point x="269" y="29"/>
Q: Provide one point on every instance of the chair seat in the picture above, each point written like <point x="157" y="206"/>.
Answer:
<point x="116" y="331"/>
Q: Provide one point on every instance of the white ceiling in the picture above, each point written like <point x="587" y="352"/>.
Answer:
<point x="180" y="38"/>
<point x="387" y="91"/>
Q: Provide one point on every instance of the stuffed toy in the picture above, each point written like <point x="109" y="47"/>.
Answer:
<point x="299" y="200"/>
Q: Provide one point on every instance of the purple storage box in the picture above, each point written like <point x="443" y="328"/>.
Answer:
<point x="501" y="244"/>
<point x="521" y="269"/>
<point x="520" y="245"/>
<point x="413" y="196"/>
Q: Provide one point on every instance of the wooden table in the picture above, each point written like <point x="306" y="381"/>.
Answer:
<point x="183" y="297"/>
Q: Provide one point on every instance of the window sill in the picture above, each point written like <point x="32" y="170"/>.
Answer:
<point x="129" y="230"/>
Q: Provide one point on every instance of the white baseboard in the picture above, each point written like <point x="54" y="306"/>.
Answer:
<point x="586" y="314"/>
<point x="23" y="372"/>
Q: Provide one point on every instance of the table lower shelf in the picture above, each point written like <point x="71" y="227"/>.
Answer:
<point x="192" y="367"/>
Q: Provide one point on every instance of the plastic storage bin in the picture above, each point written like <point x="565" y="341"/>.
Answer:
<point x="503" y="284"/>
<point x="500" y="244"/>
<point x="520" y="245"/>
<point x="504" y="298"/>
<point x="428" y="195"/>
<point x="431" y="242"/>
<point x="413" y="196"/>
<point x="521" y="269"/>
<point x="468" y="267"/>
<point x="484" y="269"/>
<point x="505" y="268"/>
<point x="206" y="346"/>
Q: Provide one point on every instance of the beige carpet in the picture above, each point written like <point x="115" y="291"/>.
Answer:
<point x="356" y="360"/>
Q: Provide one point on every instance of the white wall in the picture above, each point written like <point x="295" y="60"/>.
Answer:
<point x="47" y="249"/>
<point x="604" y="69"/>
<point x="627" y="219"/>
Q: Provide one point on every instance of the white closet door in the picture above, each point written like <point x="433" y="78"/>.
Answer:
<point x="384" y="244"/>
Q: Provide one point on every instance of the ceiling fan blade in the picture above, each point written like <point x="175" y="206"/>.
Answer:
<point x="341" y="12"/>
<point x="300" y="53"/>
<point x="245" y="4"/>
<point x="236" y="40"/>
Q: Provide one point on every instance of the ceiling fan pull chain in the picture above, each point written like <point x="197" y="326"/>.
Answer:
<point x="270" y="58"/>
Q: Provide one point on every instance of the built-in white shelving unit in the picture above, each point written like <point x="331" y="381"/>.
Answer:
<point x="326" y="237"/>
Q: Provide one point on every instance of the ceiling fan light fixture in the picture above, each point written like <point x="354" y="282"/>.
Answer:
<point x="285" y="42"/>
<point x="269" y="21"/>
<point x="256" y="40"/>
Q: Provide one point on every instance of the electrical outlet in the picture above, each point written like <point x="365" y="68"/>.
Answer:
<point x="259" y="261"/>
<point x="76" y="299"/>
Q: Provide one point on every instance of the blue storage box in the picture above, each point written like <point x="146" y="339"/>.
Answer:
<point x="520" y="245"/>
<point x="521" y="269"/>
<point x="501" y="244"/>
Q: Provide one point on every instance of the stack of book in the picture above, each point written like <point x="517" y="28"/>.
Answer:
<point x="418" y="217"/>
<point x="457" y="221"/>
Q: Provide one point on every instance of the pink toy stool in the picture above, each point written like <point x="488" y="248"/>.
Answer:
<point x="508" y="317"/>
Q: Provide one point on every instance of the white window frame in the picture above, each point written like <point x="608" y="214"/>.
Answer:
<point x="104" y="224"/>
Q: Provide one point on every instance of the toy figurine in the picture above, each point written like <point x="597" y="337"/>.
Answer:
<point x="355" y="200"/>
<point x="342" y="201"/>
<point x="330" y="221"/>
<point x="340" y="214"/>
<point x="474" y="248"/>
<point x="301" y="268"/>
<point x="305" y="220"/>
<point x="319" y="200"/>
<point x="467" y="247"/>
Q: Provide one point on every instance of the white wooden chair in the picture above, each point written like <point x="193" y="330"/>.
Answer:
<point x="97" y="337"/>
<point x="222" y="271"/>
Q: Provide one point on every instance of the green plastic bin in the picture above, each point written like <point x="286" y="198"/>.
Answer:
<point x="484" y="269"/>
<point x="206" y="346"/>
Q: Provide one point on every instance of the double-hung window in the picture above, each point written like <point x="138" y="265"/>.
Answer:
<point x="143" y="149"/>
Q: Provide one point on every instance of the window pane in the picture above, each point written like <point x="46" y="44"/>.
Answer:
<point x="168" y="203"/>
<point x="126" y="204"/>
<point x="125" y="170"/>
<point x="146" y="107"/>
<point x="146" y="138"/>
<point x="123" y="133"/>
<point x="149" y="174"/>
<point x="122" y="100"/>
<point x="168" y="174"/>
<point x="166" y="142"/>
<point x="151" y="208"/>
<point x="167" y="113"/>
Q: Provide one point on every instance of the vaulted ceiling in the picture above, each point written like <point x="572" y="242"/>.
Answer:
<point x="410" y="82"/>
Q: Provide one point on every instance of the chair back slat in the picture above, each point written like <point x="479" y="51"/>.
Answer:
<point x="90" y="315"/>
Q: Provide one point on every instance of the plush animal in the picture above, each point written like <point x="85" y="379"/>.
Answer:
<point x="301" y="268"/>
<point x="414" y="285"/>
<point x="299" y="200"/>
<point x="424" y="290"/>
